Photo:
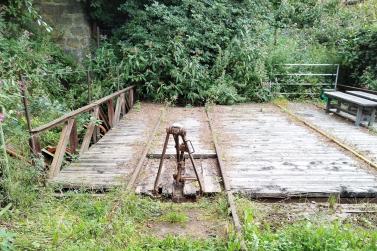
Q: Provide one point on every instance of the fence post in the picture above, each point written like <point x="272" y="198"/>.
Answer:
<point x="34" y="139"/>
<point x="89" y="81"/>
<point x="336" y="78"/>
<point x="4" y="164"/>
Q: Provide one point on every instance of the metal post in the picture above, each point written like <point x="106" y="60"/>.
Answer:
<point x="89" y="81"/>
<point x="336" y="78"/>
<point x="118" y="78"/>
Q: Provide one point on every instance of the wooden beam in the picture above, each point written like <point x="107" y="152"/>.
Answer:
<point x="103" y="117"/>
<point x="61" y="148"/>
<point x="35" y="145"/>
<point x="74" y="139"/>
<point x="74" y="113"/>
<point x="110" y="112"/>
<point x="123" y="103"/>
<point x="131" y="97"/>
<point x="89" y="132"/>
<point x="117" y="111"/>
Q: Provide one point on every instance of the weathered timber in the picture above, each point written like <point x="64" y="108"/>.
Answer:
<point x="60" y="150"/>
<point x="102" y="168"/>
<point x="72" y="114"/>
<point x="365" y="95"/>
<point x="229" y="193"/>
<point x="139" y="165"/>
<point x="360" y="139"/>
<point x="89" y="132"/>
<point x="363" y="105"/>
<point x="262" y="158"/>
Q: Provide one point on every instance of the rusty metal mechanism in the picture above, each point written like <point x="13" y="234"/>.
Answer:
<point x="177" y="131"/>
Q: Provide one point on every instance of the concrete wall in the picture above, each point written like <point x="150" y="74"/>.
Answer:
<point x="72" y="28"/>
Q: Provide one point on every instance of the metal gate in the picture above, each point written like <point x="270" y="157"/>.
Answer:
<point x="304" y="79"/>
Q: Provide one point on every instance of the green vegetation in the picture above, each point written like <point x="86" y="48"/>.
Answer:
<point x="175" y="217"/>
<point x="185" y="52"/>
<point x="226" y="51"/>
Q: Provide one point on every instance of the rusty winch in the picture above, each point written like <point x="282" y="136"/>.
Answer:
<point x="179" y="178"/>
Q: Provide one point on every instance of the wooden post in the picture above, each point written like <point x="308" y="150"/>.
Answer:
<point x="117" y="111"/>
<point x="89" y="132"/>
<point x="35" y="145"/>
<point x="105" y="121"/>
<point x="110" y="112"/>
<point x="73" y="139"/>
<point x="372" y="117"/>
<point x="4" y="163"/>
<point x="34" y="139"/>
<point x="60" y="150"/>
<point x="123" y="101"/>
<point x="359" y="115"/>
<point x="131" y="94"/>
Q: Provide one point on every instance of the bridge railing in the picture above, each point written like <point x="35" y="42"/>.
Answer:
<point x="124" y="100"/>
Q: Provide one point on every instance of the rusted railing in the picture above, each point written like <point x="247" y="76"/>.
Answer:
<point x="124" y="102"/>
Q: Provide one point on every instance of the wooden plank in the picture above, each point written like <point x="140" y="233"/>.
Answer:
<point x="139" y="165"/>
<point x="110" y="112"/>
<point x="362" y="94"/>
<point x="74" y="113"/>
<point x="351" y="98"/>
<point x="60" y="150"/>
<point x="225" y="180"/>
<point x="73" y="138"/>
<point x="267" y="153"/>
<point x="104" y="119"/>
<point x="211" y="183"/>
<point x="118" y="108"/>
<point x="89" y="132"/>
<point x="123" y="103"/>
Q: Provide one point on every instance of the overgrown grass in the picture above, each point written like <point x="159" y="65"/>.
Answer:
<point x="273" y="228"/>
<point x="176" y="217"/>
<point x="119" y="221"/>
<point x="116" y="221"/>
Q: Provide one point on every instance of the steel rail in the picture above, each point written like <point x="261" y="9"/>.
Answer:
<point x="144" y="155"/>
<point x="228" y="191"/>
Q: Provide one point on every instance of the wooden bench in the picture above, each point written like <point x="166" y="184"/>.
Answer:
<point x="365" y="95"/>
<point x="364" y="106"/>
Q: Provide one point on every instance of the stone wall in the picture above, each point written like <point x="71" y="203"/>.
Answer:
<point x="72" y="27"/>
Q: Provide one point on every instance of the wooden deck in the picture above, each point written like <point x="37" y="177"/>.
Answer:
<point x="268" y="155"/>
<point x="111" y="161"/>
<point x="359" y="138"/>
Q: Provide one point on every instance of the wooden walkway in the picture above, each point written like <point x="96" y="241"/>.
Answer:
<point x="268" y="155"/>
<point x="359" y="138"/>
<point x="111" y="161"/>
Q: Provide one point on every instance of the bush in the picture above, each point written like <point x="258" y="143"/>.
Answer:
<point x="360" y="58"/>
<point x="194" y="51"/>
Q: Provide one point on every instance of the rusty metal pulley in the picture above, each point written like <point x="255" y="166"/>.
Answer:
<point x="182" y="148"/>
